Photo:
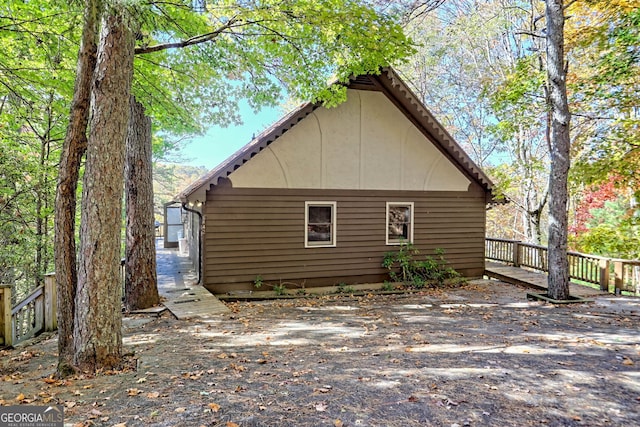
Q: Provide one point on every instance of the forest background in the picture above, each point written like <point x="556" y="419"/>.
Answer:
<point x="479" y="66"/>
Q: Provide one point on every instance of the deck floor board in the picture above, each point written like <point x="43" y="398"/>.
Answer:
<point x="533" y="279"/>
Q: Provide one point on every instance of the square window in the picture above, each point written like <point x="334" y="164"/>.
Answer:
<point x="320" y="224"/>
<point x="399" y="223"/>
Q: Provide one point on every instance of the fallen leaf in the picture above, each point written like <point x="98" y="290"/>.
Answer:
<point x="94" y="414"/>
<point x="153" y="395"/>
<point x="321" y="407"/>
<point x="237" y="368"/>
<point x="627" y="362"/>
<point x="180" y="410"/>
<point x="232" y="424"/>
<point x="133" y="391"/>
<point x="338" y="423"/>
<point x="20" y="397"/>
<point x="214" y="407"/>
<point x="120" y="425"/>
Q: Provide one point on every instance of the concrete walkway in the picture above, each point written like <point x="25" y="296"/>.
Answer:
<point x="178" y="289"/>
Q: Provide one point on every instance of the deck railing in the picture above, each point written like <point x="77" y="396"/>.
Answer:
<point x="612" y="274"/>
<point x="33" y="315"/>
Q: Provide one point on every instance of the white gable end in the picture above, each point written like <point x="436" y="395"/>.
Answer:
<point x="365" y="143"/>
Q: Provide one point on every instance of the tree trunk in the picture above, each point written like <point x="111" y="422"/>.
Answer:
<point x="73" y="149"/>
<point x="560" y="152"/>
<point x="141" y="289"/>
<point x="98" y="313"/>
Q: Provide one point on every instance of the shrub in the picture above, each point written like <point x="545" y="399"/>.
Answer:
<point x="278" y="288"/>
<point x="343" y="288"/>
<point x="405" y="267"/>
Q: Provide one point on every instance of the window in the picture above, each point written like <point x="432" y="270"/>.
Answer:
<point x="320" y="224"/>
<point x="399" y="223"/>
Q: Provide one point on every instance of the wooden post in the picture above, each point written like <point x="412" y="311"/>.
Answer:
<point x="516" y="253"/>
<point x="604" y="275"/>
<point x="50" y="302"/>
<point x="618" y="271"/>
<point x="5" y="315"/>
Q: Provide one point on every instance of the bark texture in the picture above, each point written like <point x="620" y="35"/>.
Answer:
<point x="73" y="150"/>
<point x="560" y="152"/>
<point x="141" y="289"/>
<point x="98" y="310"/>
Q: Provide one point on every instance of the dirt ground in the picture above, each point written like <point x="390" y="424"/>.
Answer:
<point x="479" y="355"/>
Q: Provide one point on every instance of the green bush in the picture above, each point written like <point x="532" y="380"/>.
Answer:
<point x="278" y="288"/>
<point x="404" y="266"/>
<point x="343" y="288"/>
<point x="388" y="286"/>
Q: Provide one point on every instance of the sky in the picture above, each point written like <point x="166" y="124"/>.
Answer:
<point x="219" y="143"/>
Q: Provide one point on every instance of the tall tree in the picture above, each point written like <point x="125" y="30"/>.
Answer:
<point x="73" y="150"/>
<point x="39" y="46"/>
<point x="605" y="35"/>
<point x="480" y="68"/>
<point x="559" y="141"/>
<point x="299" y="44"/>
<point x="141" y="289"/>
<point x="98" y="308"/>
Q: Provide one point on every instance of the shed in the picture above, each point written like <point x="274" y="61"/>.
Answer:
<point x="319" y="197"/>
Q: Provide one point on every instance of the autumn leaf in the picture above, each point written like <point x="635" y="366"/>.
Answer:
<point x="153" y="395"/>
<point x="214" y="407"/>
<point x="20" y="397"/>
<point x="237" y="368"/>
<point x="338" y="423"/>
<point x="133" y="391"/>
<point x="180" y="410"/>
<point x="232" y="424"/>
<point x="320" y="407"/>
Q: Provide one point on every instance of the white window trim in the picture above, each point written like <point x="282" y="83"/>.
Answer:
<point x="334" y="210"/>
<point x="386" y="222"/>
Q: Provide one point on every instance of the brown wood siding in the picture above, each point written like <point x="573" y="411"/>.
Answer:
<point x="260" y="232"/>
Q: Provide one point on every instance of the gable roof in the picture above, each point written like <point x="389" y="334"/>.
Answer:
<point x="400" y="95"/>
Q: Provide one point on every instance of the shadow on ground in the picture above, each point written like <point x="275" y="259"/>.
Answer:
<point x="480" y="355"/>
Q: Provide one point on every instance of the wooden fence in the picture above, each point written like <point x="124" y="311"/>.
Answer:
<point x="611" y="274"/>
<point x="33" y="315"/>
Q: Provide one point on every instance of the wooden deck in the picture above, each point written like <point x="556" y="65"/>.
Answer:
<point x="178" y="289"/>
<point x="520" y="276"/>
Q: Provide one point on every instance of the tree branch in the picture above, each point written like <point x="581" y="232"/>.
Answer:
<point x="202" y="38"/>
<point x="531" y="33"/>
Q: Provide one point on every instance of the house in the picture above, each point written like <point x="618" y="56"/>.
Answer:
<point x="320" y="196"/>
